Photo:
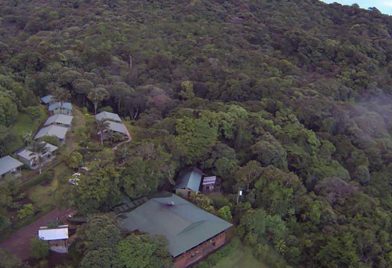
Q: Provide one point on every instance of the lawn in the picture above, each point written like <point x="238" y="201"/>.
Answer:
<point x="233" y="255"/>
<point x="241" y="256"/>
<point x="25" y="124"/>
<point x="46" y="196"/>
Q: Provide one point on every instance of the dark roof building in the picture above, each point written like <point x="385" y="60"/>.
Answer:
<point x="190" y="180"/>
<point x="186" y="227"/>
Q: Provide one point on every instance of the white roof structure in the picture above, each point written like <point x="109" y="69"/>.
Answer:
<point x="103" y="116"/>
<point x="29" y="155"/>
<point x="59" y="119"/>
<point x="52" y="130"/>
<point x="8" y="163"/>
<point x="60" y="233"/>
<point x="209" y="180"/>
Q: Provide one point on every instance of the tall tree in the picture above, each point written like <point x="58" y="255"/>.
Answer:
<point x="103" y="126"/>
<point x="97" y="95"/>
<point x="61" y="95"/>
<point x="142" y="251"/>
<point x="38" y="149"/>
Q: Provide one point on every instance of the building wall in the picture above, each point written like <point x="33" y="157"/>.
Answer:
<point x="201" y="251"/>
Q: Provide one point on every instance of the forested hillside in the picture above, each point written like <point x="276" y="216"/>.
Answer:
<point x="289" y="101"/>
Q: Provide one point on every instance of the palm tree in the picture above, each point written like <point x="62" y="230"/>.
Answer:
<point x="38" y="148"/>
<point x="102" y="126"/>
<point x="97" y="95"/>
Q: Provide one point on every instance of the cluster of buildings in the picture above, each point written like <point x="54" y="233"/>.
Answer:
<point x="60" y="120"/>
<point x="57" y="125"/>
<point x="114" y="125"/>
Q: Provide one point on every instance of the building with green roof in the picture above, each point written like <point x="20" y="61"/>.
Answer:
<point x="191" y="232"/>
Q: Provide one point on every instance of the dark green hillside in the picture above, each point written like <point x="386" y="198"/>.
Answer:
<point x="290" y="101"/>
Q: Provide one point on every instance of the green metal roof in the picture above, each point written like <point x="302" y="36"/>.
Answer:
<point x="190" y="180"/>
<point x="182" y="223"/>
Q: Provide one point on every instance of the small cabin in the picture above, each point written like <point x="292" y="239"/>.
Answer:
<point x="57" y="238"/>
<point x="9" y="166"/>
<point x="209" y="184"/>
<point x="189" y="181"/>
<point x="31" y="159"/>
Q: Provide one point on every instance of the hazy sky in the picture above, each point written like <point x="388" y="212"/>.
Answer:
<point x="384" y="6"/>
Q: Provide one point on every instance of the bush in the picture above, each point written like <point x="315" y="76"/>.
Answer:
<point x="26" y="211"/>
<point x="39" y="249"/>
<point x="74" y="160"/>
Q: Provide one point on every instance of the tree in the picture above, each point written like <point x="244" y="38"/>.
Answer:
<point x="195" y="137"/>
<point x="339" y="251"/>
<point x="75" y="160"/>
<point x="100" y="232"/>
<point x="26" y="211"/>
<point x="103" y="126"/>
<point x="39" y="248"/>
<point x="61" y="95"/>
<point x="101" y="257"/>
<point x="38" y="149"/>
<point x="269" y="151"/>
<point x="225" y="213"/>
<point x="8" y="109"/>
<point x="143" y="251"/>
<point x="97" y="95"/>
<point x="99" y="190"/>
<point x="248" y="173"/>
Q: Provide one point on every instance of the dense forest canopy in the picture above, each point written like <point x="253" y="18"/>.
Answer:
<point x="288" y="100"/>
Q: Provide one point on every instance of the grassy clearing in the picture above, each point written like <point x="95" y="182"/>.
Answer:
<point x="233" y="255"/>
<point x="45" y="196"/>
<point x="25" y="124"/>
<point x="241" y="256"/>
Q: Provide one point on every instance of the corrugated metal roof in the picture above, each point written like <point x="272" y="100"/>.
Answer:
<point x="47" y="234"/>
<point x="190" y="180"/>
<point x="53" y="130"/>
<point x="57" y="105"/>
<point x="59" y="119"/>
<point x="28" y="155"/>
<point x="8" y="163"/>
<point x="108" y="116"/>
<point x="118" y="127"/>
<point x="183" y="224"/>
<point x="47" y="99"/>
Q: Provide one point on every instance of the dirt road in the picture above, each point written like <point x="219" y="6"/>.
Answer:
<point x="19" y="242"/>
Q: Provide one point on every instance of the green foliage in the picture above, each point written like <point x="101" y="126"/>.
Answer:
<point x="339" y="252"/>
<point x="8" y="110"/>
<point x="26" y="211"/>
<point x="142" y="251"/>
<point x="194" y="138"/>
<point x="74" y="160"/>
<point x="98" y="190"/>
<point x="39" y="248"/>
<point x="225" y="213"/>
<point x="102" y="257"/>
<point x="100" y="232"/>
